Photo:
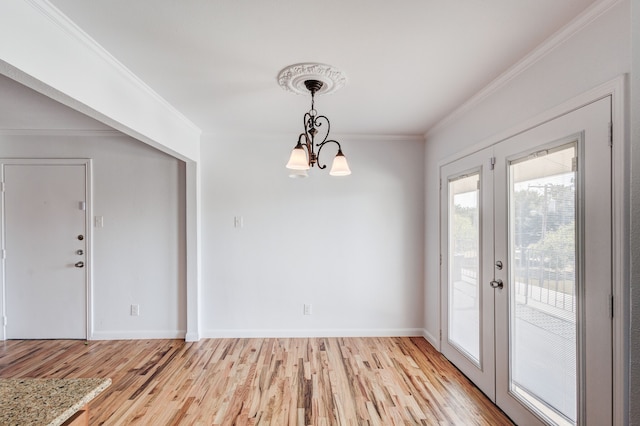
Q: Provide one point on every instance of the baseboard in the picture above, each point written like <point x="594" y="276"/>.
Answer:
<point x="248" y="333"/>
<point x="138" y="335"/>
<point x="431" y="339"/>
<point x="192" y="337"/>
<point x="369" y="332"/>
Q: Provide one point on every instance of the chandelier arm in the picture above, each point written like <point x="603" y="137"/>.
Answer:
<point x="304" y="141"/>
<point x="320" y="146"/>
<point x="318" y="121"/>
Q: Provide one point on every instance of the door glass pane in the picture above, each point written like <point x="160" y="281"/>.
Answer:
<point x="542" y="306"/>
<point x="464" y="265"/>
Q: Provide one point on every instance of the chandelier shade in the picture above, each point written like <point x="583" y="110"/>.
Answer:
<point x="298" y="159"/>
<point x="340" y="166"/>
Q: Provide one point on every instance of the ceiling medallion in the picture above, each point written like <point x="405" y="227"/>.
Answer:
<point x="293" y="77"/>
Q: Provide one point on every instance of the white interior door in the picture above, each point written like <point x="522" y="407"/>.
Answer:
<point x="526" y="290"/>
<point x="467" y="267"/>
<point x="45" y="222"/>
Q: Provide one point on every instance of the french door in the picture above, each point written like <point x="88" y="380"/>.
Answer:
<point x="526" y="271"/>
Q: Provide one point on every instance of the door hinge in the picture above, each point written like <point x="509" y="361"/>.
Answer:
<point x="440" y="184"/>
<point x="610" y="134"/>
<point x="440" y="334"/>
<point x="1" y="186"/>
<point x="3" y="254"/>
<point x="4" y="321"/>
<point x="440" y="259"/>
<point x="492" y="163"/>
<point x="611" y="306"/>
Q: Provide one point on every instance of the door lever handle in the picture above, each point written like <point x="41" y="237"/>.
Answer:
<point x="496" y="284"/>
<point x="79" y="264"/>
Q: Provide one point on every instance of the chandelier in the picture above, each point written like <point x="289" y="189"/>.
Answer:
<point x="304" y="155"/>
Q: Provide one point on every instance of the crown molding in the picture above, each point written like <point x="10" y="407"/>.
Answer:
<point x="584" y="19"/>
<point x="355" y="137"/>
<point x="73" y="30"/>
<point x="62" y="132"/>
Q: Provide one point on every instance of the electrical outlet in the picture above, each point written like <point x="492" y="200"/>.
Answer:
<point x="307" y="309"/>
<point x="135" y="310"/>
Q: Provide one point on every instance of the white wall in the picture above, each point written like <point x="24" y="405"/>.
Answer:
<point x="596" y="54"/>
<point x="139" y="255"/>
<point x="352" y="247"/>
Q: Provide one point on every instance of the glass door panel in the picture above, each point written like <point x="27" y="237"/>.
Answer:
<point x="464" y="241"/>
<point x="467" y="298"/>
<point x="542" y="304"/>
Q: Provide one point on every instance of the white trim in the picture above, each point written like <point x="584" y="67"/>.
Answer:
<point x="191" y="337"/>
<point x="3" y="292"/>
<point x="193" y="249"/>
<point x="359" y="137"/>
<point x="583" y="20"/>
<point x="62" y="132"/>
<point x="89" y="233"/>
<point x="431" y="339"/>
<point x="72" y="29"/>
<point x="620" y="169"/>
<point x="138" y="334"/>
<point x="332" y="332"/>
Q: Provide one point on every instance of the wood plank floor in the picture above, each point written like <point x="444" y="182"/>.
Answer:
<point x="310" y="381"/>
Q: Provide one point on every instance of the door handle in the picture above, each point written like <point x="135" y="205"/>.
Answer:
<point x="79" y="264"/>
<point x="496" y="284"/>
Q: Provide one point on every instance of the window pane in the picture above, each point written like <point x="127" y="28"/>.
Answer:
<point x="464" y="239"/>
<point x="543" y="276"/>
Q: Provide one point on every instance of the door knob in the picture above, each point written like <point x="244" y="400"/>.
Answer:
<point x="496" y="284"/>
<point x="79" y="264"/>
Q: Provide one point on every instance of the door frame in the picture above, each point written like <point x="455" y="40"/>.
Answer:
<point x="88" y="214"/>
<point x="617" y="89"/>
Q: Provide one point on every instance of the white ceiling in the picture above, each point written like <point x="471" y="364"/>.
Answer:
<point x="409" y="63"/>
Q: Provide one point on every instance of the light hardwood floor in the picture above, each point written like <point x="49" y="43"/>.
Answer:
<point x="309" y="381"/>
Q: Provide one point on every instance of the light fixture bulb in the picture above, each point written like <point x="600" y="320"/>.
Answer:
<point x="340" y="167"/>
<point x="298" y="159"/>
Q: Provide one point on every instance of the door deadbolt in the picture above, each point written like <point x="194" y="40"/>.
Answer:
<point x="499" y="265"/>
<point x="79" y="252"/>
<point x="81" y="237"/>
<point x="496" y="284"/>
<point x="79" y="264"/>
